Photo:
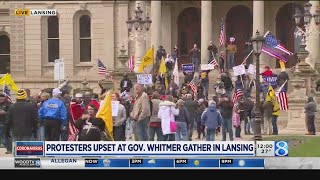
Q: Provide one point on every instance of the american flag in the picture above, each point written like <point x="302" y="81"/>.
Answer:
<point x="222" y="37"/>
<point x="131" y="62"/>
<point x="236" y="95"/>
<point x="273" y="48"/>
<point x="193" y="87"/>
<point x="282" y="97"/>
<point x="214" y="62"/>
<point x="101" y="68"/>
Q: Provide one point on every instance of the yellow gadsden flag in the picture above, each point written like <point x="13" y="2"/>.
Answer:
<point x="146" y="60"/>
<point x="105" y="113"/>
<point x="163" y="70"/>
<point x="6" y="79"/>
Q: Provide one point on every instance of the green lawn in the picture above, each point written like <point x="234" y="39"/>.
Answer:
<point x="300" y="146"/>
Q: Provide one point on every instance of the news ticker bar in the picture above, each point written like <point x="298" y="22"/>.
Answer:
<point x="159" y="163"/>
<point x="121" y="163"/>
<point x="164" y="149"/>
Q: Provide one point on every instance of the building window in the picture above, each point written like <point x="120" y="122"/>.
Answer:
<point x="85" y="38"/>
<point x="4" y="54"/>
<point x="53" y="38"/>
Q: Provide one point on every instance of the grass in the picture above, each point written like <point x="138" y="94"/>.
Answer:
<point x="300" y="146"/>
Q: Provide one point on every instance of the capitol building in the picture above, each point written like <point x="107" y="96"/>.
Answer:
<point x="85" y="31"/>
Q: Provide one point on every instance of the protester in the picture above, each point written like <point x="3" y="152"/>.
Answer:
<point x="225" y="78"/>
<point x="43" y="97"/>
<point x="119" y="120"/>
<point x="166" y="113"/>
<point x="204" y="80"/>
<point x="213" y="50"/>
<point x="53" y="115"/>
<point x="155" y="122"/>
<point x="231" y="50"/>
<point x="195" y="53"/>
<point x="310" y="110"/>
<point x="22" y="119"/>
<point x="90" y="127"/>
<point x="212" y="119"/>
<point x="248" y="106"/>
<point x="175" y="53"/>
<point x="200" y="127"/>
<point x="182" y="120"/>
<point x="226" y="105"/>
<point x="192" y="107"/>
<point x="236" y="121"/>
<point x="125" y="84"/>
<point x="267" y="117"/>
<point x="141" y="112"/>
<point x="4" y="107"/>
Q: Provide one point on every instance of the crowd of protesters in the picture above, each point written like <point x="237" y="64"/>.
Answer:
<point x="163" y="112"/>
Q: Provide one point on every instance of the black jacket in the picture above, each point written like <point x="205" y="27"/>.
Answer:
<point x="161" y="53"/>
<point x="227" y="82"/>
<point x="94" y="134"/>
<point x="226" y="109"/>
<point x="4" y="106"/>
<point x="282" y="77"/>
<point x="22" y="119"/>
<point x="129" y="85"/>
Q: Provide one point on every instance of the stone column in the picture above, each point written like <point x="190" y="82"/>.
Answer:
<point x="17" y="42"/>
<point x="206" y="29"/>
<point x="156" y="24"/>
<point x="140" y="44"/>
<point x="258" y="24"/>
<point x="297" y="101"/>
<point x="313" y="39"/>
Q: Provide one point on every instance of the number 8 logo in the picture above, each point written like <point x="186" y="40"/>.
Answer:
<point x="281" y="148"/>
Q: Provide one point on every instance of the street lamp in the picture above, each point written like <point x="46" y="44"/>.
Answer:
<point x="307" y="16"/>
<point x="257" y="42"/>
<point x="138" y="23"/>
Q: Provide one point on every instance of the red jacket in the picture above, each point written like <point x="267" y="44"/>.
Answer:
<point x="267" y="73"/>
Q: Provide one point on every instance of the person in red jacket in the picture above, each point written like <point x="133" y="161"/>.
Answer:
<point x="267" y="71"/>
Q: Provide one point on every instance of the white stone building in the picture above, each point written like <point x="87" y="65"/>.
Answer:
<point x="85" y="31"/>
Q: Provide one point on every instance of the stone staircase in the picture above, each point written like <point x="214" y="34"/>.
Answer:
<point x="212" y="80"/>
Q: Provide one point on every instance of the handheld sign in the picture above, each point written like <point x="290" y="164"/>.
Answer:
<point x="188" y="68"/>
<point x="252" y="69"/>
<point x="144" y="78"/>
<point x="239" y="70"/>
<point x="205" y="67"/>
<point x="115" y="108"/>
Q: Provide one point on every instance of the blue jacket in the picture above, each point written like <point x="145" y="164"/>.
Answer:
<point x="53" y="109"/>
<point x="211" y="118"/>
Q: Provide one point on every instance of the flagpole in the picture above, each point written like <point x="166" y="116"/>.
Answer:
<point x="245" y="59"/>
<point x="153" y="61"/>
